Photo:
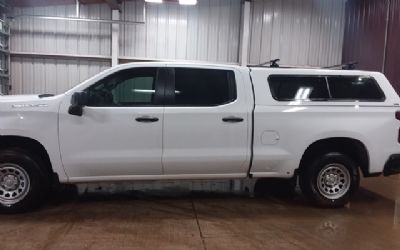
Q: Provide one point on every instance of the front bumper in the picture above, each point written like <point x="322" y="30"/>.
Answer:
<point x="392" y="165"/>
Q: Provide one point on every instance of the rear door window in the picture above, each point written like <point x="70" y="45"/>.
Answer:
<point x="203" y="87"/>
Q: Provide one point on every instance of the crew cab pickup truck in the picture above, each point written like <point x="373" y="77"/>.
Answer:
<point x="166" y="120"/>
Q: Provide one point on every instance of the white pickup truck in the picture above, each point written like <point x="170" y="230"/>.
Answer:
<point x="158" y="121"/>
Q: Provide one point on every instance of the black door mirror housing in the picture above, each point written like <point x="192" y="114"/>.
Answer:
<point x="78" y="101"/>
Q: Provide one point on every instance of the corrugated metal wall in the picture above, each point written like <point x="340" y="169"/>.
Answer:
<point x="392" y="64"/>
<point x="37" y="75"/>
<point x="62" y="37"/>
<point x="299" y="32"/>
<point x="372" y="36"/>
<point x="208" y="31"/>
<point x="365" y="33"/>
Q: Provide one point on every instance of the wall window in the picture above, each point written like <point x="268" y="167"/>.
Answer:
<point x="131" y="87"/>
<point x="290" y="88"/>
<point x="204" y="87"/>
<point x="355" y="88"/>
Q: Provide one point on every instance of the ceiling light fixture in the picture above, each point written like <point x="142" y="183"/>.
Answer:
<point x="188" y="2"/>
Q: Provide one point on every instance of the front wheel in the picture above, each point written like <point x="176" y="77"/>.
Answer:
<point x="330" y="180"/>
<point x="23" y="183"/>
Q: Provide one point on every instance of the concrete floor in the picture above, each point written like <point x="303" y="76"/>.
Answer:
<point x="208" y="221"/>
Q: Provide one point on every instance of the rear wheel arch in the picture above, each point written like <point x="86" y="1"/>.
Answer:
<point x="351" y="147"/>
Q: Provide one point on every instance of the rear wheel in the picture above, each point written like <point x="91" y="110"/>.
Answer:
<point x="23" y="183"/>
<point x="330" y="180"/>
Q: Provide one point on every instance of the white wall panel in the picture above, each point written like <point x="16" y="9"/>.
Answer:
<point x="299" y="32"/>
<point x="60" y="36"/>
<point x="35" y="75"/>
<point x="208" y="31"/>
<point x="53" y="76"/>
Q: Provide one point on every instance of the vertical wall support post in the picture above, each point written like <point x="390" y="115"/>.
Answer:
<point x="77" y="8"/>
<point x="245" y="34"/>
<point x="115" y="38"/>
<point x="389" y="3"/>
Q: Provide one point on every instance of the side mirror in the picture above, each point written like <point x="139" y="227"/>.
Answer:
<point x="78" y="101"/>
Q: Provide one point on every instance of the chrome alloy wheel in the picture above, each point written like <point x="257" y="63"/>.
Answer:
<point x="333" y="181"/>
<point x="14" y="184"/>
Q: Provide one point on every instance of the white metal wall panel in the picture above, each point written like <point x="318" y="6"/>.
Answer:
<point x="53" y="76"/>
<point x="208" y="31"/>
<point x="60" y="36"/>
<point x="34" y="75"/>
<point x="299" y="32"/>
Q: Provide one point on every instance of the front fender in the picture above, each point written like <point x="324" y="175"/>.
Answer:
<point x="38" y="122"/>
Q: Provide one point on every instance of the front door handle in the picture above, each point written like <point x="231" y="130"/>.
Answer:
<point x="146" y="119"/>
<point x="232" y="119"/>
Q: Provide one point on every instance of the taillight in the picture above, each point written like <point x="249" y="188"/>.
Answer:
<point x="398" y="115"/>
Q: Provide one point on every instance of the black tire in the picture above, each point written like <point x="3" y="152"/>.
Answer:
<point x="317" y="183"/>
<point x="37" y="184"/>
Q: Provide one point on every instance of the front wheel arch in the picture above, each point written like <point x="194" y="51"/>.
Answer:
<point x="32" y="146"/>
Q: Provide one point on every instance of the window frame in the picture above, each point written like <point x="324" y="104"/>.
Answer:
<point x="330" y="98"/>
<point x="159" y="86"/>
<point x="169" y="95"/>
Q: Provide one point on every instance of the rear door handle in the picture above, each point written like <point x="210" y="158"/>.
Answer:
<point x="146" y="119"/>
<point x="232" y="119"/>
